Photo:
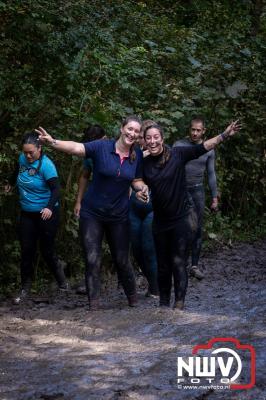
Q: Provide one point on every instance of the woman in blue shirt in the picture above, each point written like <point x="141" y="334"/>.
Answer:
<point x="38" y="186"/>
<point x="104" y="208"/>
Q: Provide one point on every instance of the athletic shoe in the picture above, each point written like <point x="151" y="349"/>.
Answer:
<point x="132" y="300"/>
<point x="178" y="305"/>
<point x="81" y="290"/>
<point x="164" y="302"/>
<point x="21" y="296"/>
<point x="94" y="305"/>
<point x="196" y="272"/>
<point x="64" y="287"/>
<point x="152" y="295"/>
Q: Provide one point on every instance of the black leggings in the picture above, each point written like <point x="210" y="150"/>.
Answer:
<point x="117" y="235"/>
<point x="172" y="249"/>
<point x="33" y="228"/>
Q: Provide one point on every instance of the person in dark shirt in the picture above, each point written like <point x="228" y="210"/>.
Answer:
<point x="195" y="170"/>
<point x="104" y="208"/>
<point x="175" y="220"/>
<point x="38" y="187"/>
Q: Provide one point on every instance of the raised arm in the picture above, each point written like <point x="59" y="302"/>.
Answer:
<point x="230" y="131"/>
<point x="66" y="146"/>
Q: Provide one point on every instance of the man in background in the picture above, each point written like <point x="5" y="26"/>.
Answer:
<point x="195" y="171"/>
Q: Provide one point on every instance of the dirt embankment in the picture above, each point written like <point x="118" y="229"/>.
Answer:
<point x="60" y="350"/>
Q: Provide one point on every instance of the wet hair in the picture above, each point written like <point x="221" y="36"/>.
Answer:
<point x="93" y="132"/>
<point x="33" y="138"/>
<point x="125" y="121"/>
<point x="198" y="118"/>
<point x="166" y="154"/>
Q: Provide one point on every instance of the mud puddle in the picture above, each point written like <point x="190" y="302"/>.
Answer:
<point x="57" y="349"/>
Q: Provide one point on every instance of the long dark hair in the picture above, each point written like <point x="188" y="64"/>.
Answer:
<point x="166" y="154"/>
<point x="33" y="138"/>
<point x="132" y="151"/>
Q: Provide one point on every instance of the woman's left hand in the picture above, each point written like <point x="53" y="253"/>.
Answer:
<point x="46" y="213"/>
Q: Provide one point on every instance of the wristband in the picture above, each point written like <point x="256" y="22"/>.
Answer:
<point x="54" y="142"/>
<point x="224" y="136"/>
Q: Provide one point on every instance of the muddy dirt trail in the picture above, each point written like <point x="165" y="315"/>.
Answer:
<point x="60" y="350"/>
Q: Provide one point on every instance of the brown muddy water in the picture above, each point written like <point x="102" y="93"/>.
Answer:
<point x="60" y="350"/>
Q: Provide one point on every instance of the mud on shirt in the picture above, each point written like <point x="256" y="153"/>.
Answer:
<point x="168" y="184"/>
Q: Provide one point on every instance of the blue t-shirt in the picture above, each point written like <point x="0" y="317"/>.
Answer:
<point x="34" y="192"/>
<point x="107" y="196"/>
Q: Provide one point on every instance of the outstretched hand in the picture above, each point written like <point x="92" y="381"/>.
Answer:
<point x="233" y="128"/>
<point x="43" y="135"/>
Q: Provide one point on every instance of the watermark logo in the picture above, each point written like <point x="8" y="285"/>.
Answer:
<point x="222" y="363"/>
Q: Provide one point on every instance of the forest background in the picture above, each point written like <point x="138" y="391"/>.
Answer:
<point x="67" y="64"/>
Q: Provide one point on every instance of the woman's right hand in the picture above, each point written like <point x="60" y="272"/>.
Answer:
<point x="44" y="136"/>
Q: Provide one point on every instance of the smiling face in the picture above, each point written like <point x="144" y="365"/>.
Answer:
<point x="130" y="133"/>
<point x="197" y="131"/>
<point x="144" y="126"/>
<point x="31" y="152"/>
<point x="154" y="141"/>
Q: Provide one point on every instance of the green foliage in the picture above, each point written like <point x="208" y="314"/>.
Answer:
<point x="66" y="64"/>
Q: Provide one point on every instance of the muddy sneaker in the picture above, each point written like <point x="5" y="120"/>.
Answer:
<point x="152" y="295"/>
<point x="119" y="285"/>
<point x="64" y="287"/>
<point x="196" y="272"/>
<point x="81" y="290"/>
<point x="178" y="305"/>
<point x="132" y="300"/>
<point x="94" y="305"/>
<point x="21" y="296"/>
<point x="164" y="302"/>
